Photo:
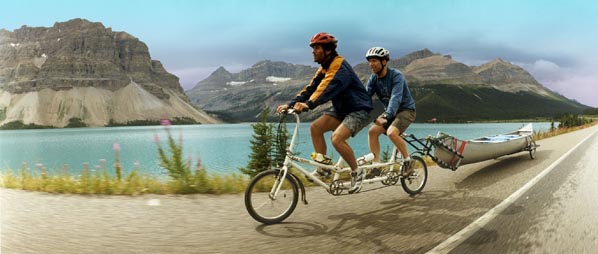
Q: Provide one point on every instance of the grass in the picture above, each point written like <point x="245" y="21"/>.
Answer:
<point x="102" y="182"/>
<point x="136" y="183"/>
<point x="559" y="131"/>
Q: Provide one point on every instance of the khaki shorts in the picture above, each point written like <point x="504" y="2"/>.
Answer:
<point x="402" y="120"/>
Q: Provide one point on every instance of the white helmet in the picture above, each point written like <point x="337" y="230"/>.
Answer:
<point x="378" y="52"/>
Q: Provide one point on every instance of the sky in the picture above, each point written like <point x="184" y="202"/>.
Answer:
<point x="553" y="40"/>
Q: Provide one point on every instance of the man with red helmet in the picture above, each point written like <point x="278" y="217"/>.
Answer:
<point x="334" y="81"/>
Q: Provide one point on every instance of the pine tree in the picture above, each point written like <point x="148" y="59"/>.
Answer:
<point x="261" y="146"/>
<point x="280" y="143"/>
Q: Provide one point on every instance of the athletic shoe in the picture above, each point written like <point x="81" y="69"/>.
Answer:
<point x="321" y="172"/>
<point x="356" y="181"/>
<point x="321" y="158"/>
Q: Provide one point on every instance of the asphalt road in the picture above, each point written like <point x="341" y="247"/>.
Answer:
<point x="377" y="220"/>
<point x="557" y="215"/>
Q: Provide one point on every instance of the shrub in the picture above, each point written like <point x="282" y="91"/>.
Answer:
<point x="179" y="169"/>
<point x="75" y="122"/>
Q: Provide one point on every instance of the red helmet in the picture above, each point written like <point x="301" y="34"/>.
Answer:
<point x="322" y="38"/>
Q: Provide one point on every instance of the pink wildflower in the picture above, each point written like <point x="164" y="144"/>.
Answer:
<point x="116" y="147"/>
<point x="156" y="138"/>
<point x="165" y="122"/>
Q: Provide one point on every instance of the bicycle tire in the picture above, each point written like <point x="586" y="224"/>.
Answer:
<point x="261" y="206"/>
<point x="419" y="176"/>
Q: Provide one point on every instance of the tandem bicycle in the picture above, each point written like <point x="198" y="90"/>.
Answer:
<point x="273" y="194"/>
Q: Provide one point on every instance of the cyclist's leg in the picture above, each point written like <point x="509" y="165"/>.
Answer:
<point x="339" y="141"/>
<point x="317" y="129"/>
<point x="373" y="134"/>
<point x="394" y="134"/>
<point x="350" y="126"/>
<point x="399" y="125"/>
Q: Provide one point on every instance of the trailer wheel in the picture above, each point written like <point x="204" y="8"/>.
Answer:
<point x="532" y="153"/>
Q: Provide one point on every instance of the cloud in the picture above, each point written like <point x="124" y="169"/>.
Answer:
<point x="578" y="83"/>
<point x="547" y="70"/>
<point x="188" y="77"/>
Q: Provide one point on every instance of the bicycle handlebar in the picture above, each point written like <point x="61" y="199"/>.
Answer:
<point x="292" y="111"/>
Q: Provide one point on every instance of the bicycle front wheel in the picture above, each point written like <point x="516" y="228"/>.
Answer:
<point x="269" y="198"/>
<point x="414" y="183"/>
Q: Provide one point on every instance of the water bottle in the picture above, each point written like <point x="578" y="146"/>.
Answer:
<point x="365" y="159"/>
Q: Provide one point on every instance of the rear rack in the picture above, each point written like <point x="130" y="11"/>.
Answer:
<point x="424" y="146"/>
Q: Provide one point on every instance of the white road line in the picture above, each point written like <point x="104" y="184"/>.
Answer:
<point x="458" y="238"/>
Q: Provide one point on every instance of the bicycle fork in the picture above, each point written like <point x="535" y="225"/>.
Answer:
<point x="278" y="184"/>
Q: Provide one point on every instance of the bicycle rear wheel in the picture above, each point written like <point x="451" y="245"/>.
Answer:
<point x="263" y="205"/>
<point x="414" y="183"/>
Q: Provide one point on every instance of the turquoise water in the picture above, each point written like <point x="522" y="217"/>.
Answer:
<point x="222" y="148"/>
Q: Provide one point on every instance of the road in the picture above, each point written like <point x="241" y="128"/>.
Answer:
<point x="556" y="215"/>
<point x="377" y="220"/>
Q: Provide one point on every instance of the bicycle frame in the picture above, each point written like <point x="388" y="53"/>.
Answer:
<point x="337" y="169"/>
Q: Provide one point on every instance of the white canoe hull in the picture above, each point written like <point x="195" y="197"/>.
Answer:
<point x="452" y="152"/>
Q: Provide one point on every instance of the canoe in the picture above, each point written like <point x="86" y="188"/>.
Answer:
<point x="451" y="152"/>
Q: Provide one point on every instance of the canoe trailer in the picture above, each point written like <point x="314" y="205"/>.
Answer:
<point x="450" y="152"/>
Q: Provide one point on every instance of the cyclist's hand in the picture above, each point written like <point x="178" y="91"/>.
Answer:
<point x="381" y="121"/>
<point x="301" y="107"/>
<point x="282" y="108"/>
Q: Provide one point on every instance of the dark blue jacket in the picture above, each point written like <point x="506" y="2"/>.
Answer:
<point x="336" y="82"/>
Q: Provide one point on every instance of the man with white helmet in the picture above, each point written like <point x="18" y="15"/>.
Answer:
<point x="334" y="81"/>
<point x="391" y="88"/>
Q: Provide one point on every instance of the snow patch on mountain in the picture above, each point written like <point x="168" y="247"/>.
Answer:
<point x="277" y="79"/>
<point x="238" y="83"/>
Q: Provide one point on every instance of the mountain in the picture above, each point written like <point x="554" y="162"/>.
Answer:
<point x="241" y="96"/>
<point x="443" y="89"/>
<point x="507" y="77"/>
<point x="81" y="69"/>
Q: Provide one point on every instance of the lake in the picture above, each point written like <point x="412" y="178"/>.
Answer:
<point x="223" y="148"/>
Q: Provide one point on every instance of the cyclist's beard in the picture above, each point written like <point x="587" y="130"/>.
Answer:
<point x="327" y="60"/>
<point x="324" y="59"/>
<point x="378" y="73"/>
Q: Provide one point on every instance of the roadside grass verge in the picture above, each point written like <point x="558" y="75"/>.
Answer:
<point x="135" y="183"/>
<point x="559" y="131"/>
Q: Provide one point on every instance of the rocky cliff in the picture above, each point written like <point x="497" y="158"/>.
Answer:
<point x="507" y="77"/>
<point x="440" y="69"/>
<point x="82" y="69"/>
